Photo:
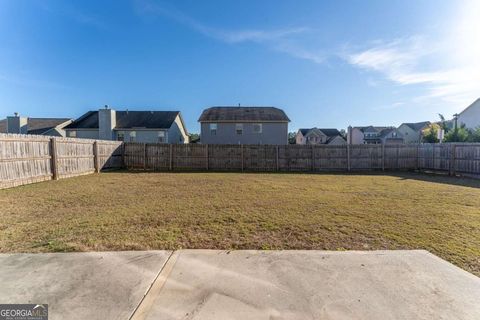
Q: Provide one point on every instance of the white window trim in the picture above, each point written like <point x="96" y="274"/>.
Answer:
<point x="213" y="127"/>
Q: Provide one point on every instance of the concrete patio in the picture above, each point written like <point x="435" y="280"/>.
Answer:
<point x="212" y="284"/>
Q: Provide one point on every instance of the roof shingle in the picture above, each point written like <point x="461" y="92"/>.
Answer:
<point x="231" y="114"/>
<point x="128" y="119"/>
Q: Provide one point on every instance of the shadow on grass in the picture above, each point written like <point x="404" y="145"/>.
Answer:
<point x="434" y="177"/>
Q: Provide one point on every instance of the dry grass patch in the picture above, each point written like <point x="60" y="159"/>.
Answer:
<point x="124" y="210"/>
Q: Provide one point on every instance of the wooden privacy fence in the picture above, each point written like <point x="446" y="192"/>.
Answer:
<point x="27" y="158"/>
<point x="458" y="158"/>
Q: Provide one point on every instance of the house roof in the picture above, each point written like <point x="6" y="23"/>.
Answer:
<point x="37" y="125"/>
<point x="473" y="104"/>
<point x="417" y="126"/>
<point x="372" y="128"/>
<point x="129" y="119"/>
<point x="327" y="132"/>
<point x="231" y="114"/>
<point x="330" y="139"/>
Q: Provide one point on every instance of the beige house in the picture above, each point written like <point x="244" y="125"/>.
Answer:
<point x="316" y="136"/>
<point x="412" y="132"/>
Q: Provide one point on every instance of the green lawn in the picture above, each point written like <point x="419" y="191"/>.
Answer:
<point x="137" y="211"/>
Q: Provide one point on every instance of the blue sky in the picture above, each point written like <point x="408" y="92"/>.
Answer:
<point x="327" y="64"/>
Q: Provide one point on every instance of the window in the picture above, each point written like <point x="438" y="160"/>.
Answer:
<point x="121" y="135"/>
<point x="257" y="128"/>
<point x="133" y="136"/>
<point x="239" y="128"/>
<point x="213" y="129"/>
<point x="161" y="136"/>
<point x="72" y="134"/>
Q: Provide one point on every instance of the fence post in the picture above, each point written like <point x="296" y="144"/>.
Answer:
<point x="313" y="158"/>
<point x="122" y="146"/>
<point x="383" y="156"/>
<point x="144" y="156"/>
<point x="243" y="160"/>
<point x="398" y="154"/>
<point x="417" y="163"/>
<point x="206" y="156"/>
<point x="276" y="159"/>
<point x="348" y="157"/>
<point x="171" y="157"/>
<point x="452" y="160"/>
<point x="54" y="158"/>
<point x="96" y="162"/>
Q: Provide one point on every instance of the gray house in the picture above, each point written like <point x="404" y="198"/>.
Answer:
<point x="38" y="126"/>
<point x="244" y="125"/>
<point x="374" y="135"/>
<point x="132" y="126"/>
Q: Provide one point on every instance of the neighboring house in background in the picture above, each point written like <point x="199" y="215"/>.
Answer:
<point x="373" y="135"/>
<point x="39" y="126"/>
<point x="319" y="136"/>
<point x="470" y="117"/>
<point x="412" y="132"/>
<point x="130" y="126"/>
<point x="244" y="125"/>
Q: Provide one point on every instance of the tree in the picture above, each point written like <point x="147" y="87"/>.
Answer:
<point x="430" y="134"/>
<point x="443" y="123"/>
<point x="461" y="134"/>
<point x="194" y="137"/>
<point x="292" y="137"/>
<point x="474" y="135"/>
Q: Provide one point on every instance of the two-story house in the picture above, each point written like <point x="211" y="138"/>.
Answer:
<point x="373" y="135"/>
<point x="412" y="132"/>
<point x="315" y="136"/>
<point x="244" y="125"/>
<point x="130" y="126"/>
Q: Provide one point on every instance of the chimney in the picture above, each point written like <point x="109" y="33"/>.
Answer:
<point x="17" y="124"/>
<point x="107" y="121"/>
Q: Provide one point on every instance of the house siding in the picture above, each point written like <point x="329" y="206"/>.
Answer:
<point x="470" y="117"/>
<point x="176" y="133"/>
<point x="84" y="133"/>
<point x="409" y="135"/>
<point x="275" y="133"/>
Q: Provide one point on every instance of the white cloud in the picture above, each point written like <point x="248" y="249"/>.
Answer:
<point x="448" y="67"/>
<point x="278" y="39"/>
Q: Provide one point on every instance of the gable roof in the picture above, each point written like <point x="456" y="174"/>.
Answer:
<point x="129" y="119"/>
<point x="232" y="114"/>
<point x="327" y="132"/>
<point x="470" y="106"/>
<point x="37" y="125"/>
<point x="417" y="126"/>
<point x="330" y="139"/>
<point x="385" y="132"/>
